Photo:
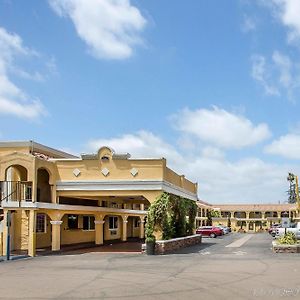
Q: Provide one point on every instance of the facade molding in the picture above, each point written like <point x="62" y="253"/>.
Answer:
<point x="56" y="222"/>
<point x="125" y="185"/>
<point x="66" y="207"/>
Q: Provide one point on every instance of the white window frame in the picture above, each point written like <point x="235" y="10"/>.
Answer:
<point x="114" y="228"/>
<point x="89" y="223"/>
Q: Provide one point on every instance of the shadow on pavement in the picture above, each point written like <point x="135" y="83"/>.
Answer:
<point x="131" y="246"/>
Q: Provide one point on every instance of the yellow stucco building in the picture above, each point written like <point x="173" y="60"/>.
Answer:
<point x="254" y="217"/>
<point x="53" y="198"/>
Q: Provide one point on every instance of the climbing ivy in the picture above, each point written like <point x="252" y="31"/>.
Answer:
<point x="172" y="215"/>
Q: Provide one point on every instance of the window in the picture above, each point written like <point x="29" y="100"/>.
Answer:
<point x="41" y="223"/>
<point x="88" y="223"/>
<point x="113" y="223"/>
<point x="72" y="221"/>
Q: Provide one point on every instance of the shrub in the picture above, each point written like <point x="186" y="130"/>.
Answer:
<point x="288" y="238"/>
<point x="174" y="216"/>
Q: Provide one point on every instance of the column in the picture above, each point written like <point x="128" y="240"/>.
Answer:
<point x="279" y="215"/>
<point x="142" y="206"/>
<point x="53" y="194"/>
<point x="142" y="227"/>
<point x="32" y="233"/>
<point x="5" y="232"/>
<point x="55" y="235"/>
<point x="247" y="225"/>
<point x="99" y="232"/>
<point x="124" y="231"/>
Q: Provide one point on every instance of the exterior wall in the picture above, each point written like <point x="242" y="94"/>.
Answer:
<point x="19" y="230"/>
<point x="152" y="174"/>
<point x="253" y="218"/>
<point x="108" y="233"/>
<point x="7" y="150"/>
<point x="202" y="214"/>
<point x="75" y="236"/>
<point x="43" y="240"/>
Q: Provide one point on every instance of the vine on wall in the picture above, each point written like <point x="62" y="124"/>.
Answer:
<point x="172" y="215"/>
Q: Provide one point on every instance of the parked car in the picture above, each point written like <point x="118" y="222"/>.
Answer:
<point x="295" y="229"/>
<point x="272" y="229"/>
<point x="211" y="231"/>
<point x="225" y="229"/>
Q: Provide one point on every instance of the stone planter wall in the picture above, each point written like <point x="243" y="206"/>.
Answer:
<point x="285" y="248"/>
<point x="167" y="246"/>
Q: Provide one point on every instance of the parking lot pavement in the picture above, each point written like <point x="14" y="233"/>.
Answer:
<point x="208" y="271"/>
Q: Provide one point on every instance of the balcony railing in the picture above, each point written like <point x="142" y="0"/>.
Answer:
<point x="16" y="191"/>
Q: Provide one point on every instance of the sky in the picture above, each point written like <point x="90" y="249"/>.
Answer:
<point x="212" y="86"/>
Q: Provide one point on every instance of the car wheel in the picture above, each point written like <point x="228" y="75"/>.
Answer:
<point x="212" y="235"/>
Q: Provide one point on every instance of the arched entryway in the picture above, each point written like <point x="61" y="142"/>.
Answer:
<point x="16" y="188"/>
<point x="43" y="186"/>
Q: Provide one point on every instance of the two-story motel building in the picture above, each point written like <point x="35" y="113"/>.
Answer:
<point x="246" y="217"/>
<point x="53" y="198"/>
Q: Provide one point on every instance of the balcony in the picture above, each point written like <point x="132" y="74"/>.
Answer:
<point x="16" y="191"/>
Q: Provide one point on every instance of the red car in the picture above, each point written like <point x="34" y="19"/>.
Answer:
<point x="211" y="231"/>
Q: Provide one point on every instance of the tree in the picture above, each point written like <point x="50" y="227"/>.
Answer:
<point x="292" y="192"/>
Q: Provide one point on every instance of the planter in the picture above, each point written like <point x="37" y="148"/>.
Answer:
<point x="169" y="246"/>
<point x="280" y="248"/>
<point x="150" y="248"/>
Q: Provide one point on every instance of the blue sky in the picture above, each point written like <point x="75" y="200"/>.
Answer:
<point x="213" y="86"/>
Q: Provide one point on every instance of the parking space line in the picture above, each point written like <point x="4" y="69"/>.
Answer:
<point x="240" y="242"/>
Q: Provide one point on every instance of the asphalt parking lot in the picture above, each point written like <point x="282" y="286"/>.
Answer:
<point x="237" y="266"/>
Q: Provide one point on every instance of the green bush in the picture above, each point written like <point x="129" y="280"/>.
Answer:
<point x="174" y="216"/>
<point x="288" y="238"/>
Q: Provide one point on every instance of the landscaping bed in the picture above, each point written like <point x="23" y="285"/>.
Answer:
<point x="168" y="246"/>
<point x="278" y="248"/>
<point x="287" y="243"/>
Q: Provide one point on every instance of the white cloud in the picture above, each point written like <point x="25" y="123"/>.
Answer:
<point x="13" y="100"/>
<point x="278" y="76"/>
<point x="249" y="24"/>
<point x="288" y="12"/>
<point x="287" y="146"/>
<point x="260" y="72"/>
<point x="142" y="144"/>
<point x="220" y="127"/>
<point x="109" y="28"/>
<point x="220" y="180"/>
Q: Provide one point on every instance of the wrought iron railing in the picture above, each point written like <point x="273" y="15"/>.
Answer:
<point x="16" y="191"/>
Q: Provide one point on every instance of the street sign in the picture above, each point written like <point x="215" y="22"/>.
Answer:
<point x="285" y="222"/>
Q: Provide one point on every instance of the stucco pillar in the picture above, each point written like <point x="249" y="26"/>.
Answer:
<point x="142" y="227"/>
<point x="247" y="215"/>
<point x="55" y="235"/>
<point x="5" y="232"/>
<point x="53" y="194"/>
<point x="99" y="232"/>
<point x="124" y="231"/>
<point x="142" y="206"/>
<point x="247" y="226"/>
<point x="263" y="215"/>
<point x="32" y="233"/>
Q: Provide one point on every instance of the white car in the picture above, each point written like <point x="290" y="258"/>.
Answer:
<point x="225" y="229"/>
<point x="294" y="229"/>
